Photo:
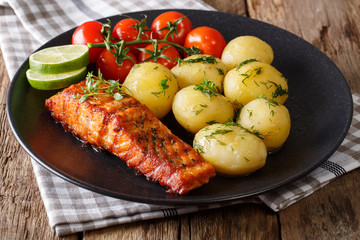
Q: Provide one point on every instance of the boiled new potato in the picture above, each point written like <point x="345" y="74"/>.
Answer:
<point x="153" y="85"/>
<point x="246" y="47"/>
<point x="196" y="68"/>
<point x="194" y="110"/>
<point x="246" y="83"/>
<point x="231" y="149"/>
<point x="270" y="119"/>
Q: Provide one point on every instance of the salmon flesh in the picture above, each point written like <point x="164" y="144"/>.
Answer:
<point x="129" y="130"/>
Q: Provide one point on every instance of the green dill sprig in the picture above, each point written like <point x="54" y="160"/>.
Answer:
<point x="212" y="122"/>
<point x="163" y="85"/>
<point x="246" y="62"/>
<point x="279" y="91"/>
<point x="270" y="102"/>
<point x="254" y="132"/>
<point x="199" y="148"/>
<point x="253" y="73"/>
<point x="202" y="107"/>
<point x="204" y="59"/>
<point x="208" y="88"/>
<point x="97" y="85"/>
<point x="213" y="135"/>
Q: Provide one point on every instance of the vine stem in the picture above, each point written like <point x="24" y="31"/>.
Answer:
<point x="138" y="41"/>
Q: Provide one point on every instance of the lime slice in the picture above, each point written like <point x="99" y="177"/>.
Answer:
<point x="59" y="59"/>
<point x="43" y="81"/>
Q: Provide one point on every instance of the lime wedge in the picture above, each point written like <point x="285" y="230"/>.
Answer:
<point x="43" y="81"/>
<point x="59" y="59"/>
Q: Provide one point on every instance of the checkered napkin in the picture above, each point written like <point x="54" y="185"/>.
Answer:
<point x="27" y="24"/>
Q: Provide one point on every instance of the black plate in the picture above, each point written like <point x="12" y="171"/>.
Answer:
<point x="320" y="105"/>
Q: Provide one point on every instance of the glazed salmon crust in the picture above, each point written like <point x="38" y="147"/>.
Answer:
<point x="129" y="130"/>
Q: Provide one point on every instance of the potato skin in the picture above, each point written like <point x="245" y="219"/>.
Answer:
<point x="246" y="47"/>
<point x="153" y="85"/>
<point x="193" y="109"/>
<point x="194" y="73"/>
<point x="270" y="120"/>
<point x="232" y="150"/>
<point x="244" y="84"/>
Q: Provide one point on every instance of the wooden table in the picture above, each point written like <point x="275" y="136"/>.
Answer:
<point x="333" y="212"/>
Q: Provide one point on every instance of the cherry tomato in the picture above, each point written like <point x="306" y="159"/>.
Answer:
<point x="161" y="21"/>
<point x="207" y="39"/>
<point x="170" y="52"/>
<point x="125" y="30"/>
<point x="110" y="69"/>
<point x="89" y="32"/>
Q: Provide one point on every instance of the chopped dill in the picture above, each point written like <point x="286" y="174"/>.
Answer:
<point x="200" y="110"/>
<point x="204" y="59"/>
<point x="221" y="71"/>
<point x="279" y="91"/>
<point x="253" y="73"/>
<point x="97" y="85"/>
<point x="199" y="148"/>
<point x="254" y="132"/>
<point x="208" y="88"/>
<point x="211" y="122"/>
<point x="246" y="62"/>
<point x="163" y="84"/>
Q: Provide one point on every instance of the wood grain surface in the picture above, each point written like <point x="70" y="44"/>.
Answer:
<point x="332" y="212"/>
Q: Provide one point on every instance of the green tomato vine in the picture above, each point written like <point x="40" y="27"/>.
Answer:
<point x="118" y="46"/>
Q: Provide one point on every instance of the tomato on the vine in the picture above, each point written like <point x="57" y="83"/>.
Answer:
<point x="207" y="39"/>
<point x="89" y="32"/>
<point x="169" y="52"/>
<point x="109" y="68"/>
<point x="160" y="26"/>
<point x="126" y="30"/>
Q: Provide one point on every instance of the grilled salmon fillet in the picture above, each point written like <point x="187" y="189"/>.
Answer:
<point x="129" y="130"/>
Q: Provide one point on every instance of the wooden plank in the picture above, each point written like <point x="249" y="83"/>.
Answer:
<point x="234" y="6"/>
<point x="22" y="213"/>
<point x="328" y="214"/>
<point x="244" y="221"/>
<point x="333" y="27"/>
<point x="168" y="228"/>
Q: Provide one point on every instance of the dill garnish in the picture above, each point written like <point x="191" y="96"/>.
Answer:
<point x="204" y="59"/>
<point x="254" y="132"/>
<point x="97" y="85"/>
<point x="200" y="110"/>
<point x="253" y="73"/>
<point x="221" y="71"/>
<point x="218" y="132"/>
<point x="211" y="122"/>
<point x="208" y="88"/>
<point x="270" y="102"/>
<point x="199" y="148"/>
<point x="163" y="84"/>
<point x="246" y="62"/>
<point x="279" y="91"/>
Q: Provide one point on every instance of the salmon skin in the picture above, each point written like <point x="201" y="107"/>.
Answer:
<point x="129" y="130"/>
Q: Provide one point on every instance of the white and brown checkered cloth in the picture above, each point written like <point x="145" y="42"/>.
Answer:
<point x="27" y="24"/>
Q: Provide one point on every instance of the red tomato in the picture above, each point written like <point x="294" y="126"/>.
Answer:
<point x="89" y="32"/>
<point x="170" y="52"/>
<point x="161" y="21"/>
<point x="126" y="30"/>
<point x="207" y="39"/>
<point x="110" y="69"/>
